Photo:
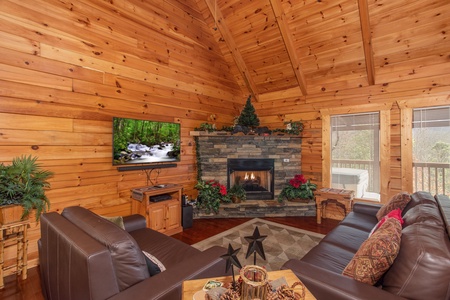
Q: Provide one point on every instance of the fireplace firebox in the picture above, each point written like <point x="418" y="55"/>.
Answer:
<point x="255" y="175"/>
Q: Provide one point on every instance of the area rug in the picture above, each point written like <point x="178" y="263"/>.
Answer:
<point x="281" y="244"/>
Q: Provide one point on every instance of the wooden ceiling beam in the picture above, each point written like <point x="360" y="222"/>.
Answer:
<point x="231" y="44"/>
<point x="286" y="34"/>
<point x="367" y="40"/>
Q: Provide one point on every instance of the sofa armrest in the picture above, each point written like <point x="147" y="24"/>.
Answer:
<point x="444" y="206"/>
<point x="134" y="222"/>
<point x="366" y="208"/>
<point x="168" y="284"/>
<point x="324" y="284"/>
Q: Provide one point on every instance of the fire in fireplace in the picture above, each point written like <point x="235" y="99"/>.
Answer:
<point x="255" y="175"/>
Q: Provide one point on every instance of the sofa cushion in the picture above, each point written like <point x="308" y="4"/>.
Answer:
<point x="425" y="213"/>
<point x="352" y="237"/>
<point x="399" y="200"/>
<point x="444" y="207"/>
<point x="128" y="261"/>
<point x="360" y="221"/>
<point x="396" y="214"/>
<point x="421" y="270"/>
<point x="116" y="220"/>
<point x="153" y="264"/>
<point x="419" y="198"/>
<point x="376" y="254"/>
<point x="329" y="256"/>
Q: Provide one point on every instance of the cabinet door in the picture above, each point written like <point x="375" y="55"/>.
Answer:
<point x="156" y="217"/>
<point x="173" y="214"/>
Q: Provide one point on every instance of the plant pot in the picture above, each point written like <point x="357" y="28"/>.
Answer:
<point x="235" y="199"/>
<point x="10" y="214"/>
<point x="301" y="200"/>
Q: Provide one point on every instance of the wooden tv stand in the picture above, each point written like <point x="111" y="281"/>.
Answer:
<point x="163" y="216"/>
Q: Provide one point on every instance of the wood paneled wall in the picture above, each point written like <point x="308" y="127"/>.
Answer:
<point x="429" y="91"/>
<point x="66" y="68"/>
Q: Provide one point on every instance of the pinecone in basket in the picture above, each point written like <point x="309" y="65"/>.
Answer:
<point x="231" y="295"/>
<point x="286" y="293"/>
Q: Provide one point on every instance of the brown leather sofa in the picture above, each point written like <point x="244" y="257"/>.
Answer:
<point x="420" y="271"/>
<point x="84" y="256"/>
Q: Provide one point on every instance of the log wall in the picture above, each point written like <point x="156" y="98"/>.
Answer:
<point x="426" y="92"/>
<point x="66" y="68"/>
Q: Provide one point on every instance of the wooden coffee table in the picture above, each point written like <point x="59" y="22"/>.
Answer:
<point x="190" y="287"/>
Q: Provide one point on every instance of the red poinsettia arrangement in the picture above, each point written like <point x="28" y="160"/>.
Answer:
<point x="210" y="194"/>
<point x="221" y="187"/>
<point x="298" y="180"/>
<point x="298" y="188"/>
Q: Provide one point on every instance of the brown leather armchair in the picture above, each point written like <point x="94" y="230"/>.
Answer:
<point x="84" y="256"/>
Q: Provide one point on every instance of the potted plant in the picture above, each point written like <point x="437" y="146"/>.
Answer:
<point x="210" y="194"/>
<point x="206" y="127"/>
<point x="237" y="193"/>
<point x="292" y="127"/>
<point x="23" y="183"/>
<point x="299" y="189"/>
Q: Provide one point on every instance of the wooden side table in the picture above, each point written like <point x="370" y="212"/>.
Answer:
<point x="10" y="235"/>
<point x="342" y="198"/>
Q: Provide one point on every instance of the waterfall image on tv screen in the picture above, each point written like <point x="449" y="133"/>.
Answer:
<point x="145" y="142"/>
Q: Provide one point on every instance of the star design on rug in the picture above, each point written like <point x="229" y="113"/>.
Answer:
<point x="231" y="258"/>
<point x="255" y="244"/>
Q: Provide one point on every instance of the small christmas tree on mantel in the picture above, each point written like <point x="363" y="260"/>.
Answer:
<point x="248" y="116"/>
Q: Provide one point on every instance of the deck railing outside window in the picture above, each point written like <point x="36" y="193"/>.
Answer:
<point x="431" y="149"/>
<point x="432" y="177"/>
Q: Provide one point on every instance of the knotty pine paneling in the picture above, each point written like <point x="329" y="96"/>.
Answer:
<point x="66" y="68"/>
<point x="429" y="90"/>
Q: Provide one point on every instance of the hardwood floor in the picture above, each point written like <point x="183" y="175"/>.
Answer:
<point x="30" y="289"/>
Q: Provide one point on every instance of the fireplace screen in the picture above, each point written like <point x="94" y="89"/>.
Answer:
<point x="255" y="175"/>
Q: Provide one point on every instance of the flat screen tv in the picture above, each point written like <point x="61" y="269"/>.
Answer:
<point x="145" y="142"/>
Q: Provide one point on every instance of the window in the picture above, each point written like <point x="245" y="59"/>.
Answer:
<point x="373" y="120"/>
<point x="355" y="153"/>
<point x="431" y="149"/>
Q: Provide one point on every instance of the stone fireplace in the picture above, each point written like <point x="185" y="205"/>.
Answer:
<point x="273" y="160"/>
<point x="255" y="175"/>
<point x="214" y="150"/>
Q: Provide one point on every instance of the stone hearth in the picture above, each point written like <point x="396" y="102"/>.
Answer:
<point x="261" y="209"/>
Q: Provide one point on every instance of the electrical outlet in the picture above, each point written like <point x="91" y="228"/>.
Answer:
<point x="285" y="159"/>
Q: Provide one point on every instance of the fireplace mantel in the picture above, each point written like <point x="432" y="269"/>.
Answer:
<point x="215" y="148"/>
<point x="240" y="134"/>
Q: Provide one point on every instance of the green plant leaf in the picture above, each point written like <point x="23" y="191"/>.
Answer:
<point x="23" y="182"/>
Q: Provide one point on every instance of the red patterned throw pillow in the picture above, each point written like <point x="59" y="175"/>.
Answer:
<point x="397" y="201"/>
<point x="396" y="214"/>
<point x="376" y="254"/>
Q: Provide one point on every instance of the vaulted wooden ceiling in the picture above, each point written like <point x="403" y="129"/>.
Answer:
<point x="281" y="49"/>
